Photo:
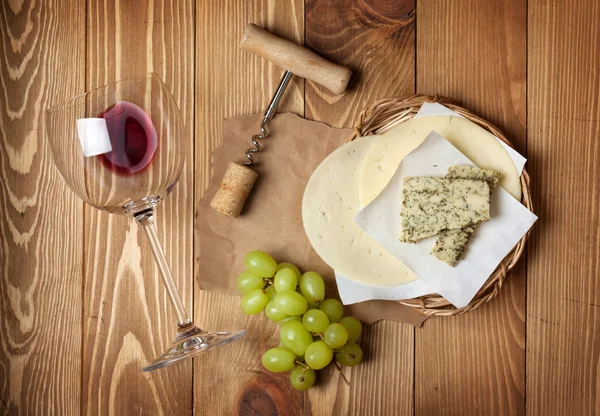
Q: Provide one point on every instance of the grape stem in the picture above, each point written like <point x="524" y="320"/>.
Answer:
<point x="343" y="351"/>
<point x="339" y="369"/>
<point x="301" y="364"/>
<point x="301" y="378"/>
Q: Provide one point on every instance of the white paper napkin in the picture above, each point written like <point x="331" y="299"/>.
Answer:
<point x="353" y="292"/>
<point x="490" y="243"/>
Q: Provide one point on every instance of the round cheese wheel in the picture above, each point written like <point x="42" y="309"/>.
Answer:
<point x="330" y="202"/>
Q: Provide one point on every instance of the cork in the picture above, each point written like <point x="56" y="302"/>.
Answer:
<point x="234" y="189"/>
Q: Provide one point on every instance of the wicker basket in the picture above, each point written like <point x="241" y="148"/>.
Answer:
<point x="382" y="116"/>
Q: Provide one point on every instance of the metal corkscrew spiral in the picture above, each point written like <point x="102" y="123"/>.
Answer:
<point x="285" y="79"/>
<point x="255" y="141"/>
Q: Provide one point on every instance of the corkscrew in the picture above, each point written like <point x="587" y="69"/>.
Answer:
<point x="285" y="80"/>
<point x="296" y="60"/>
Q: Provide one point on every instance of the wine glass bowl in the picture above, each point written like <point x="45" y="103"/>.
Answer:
<point x="138" y="119"/>
<point x="121" y="148"/>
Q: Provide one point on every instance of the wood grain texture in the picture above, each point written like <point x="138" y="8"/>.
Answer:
<point x="382" y="384"/>
<point x="563" y="296"/>
<point x="40" y="219"/>
<point x="67" y="269"/>
<point x="475" y="52"/>
<point x="129" y="320"/>
<point x="230" y="82"/>
<point x="374" y="39"/>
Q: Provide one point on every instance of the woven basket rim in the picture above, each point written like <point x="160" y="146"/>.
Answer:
<point x="384" y="114"/>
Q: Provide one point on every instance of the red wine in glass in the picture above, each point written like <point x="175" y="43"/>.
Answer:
<point x="132" y="136"/>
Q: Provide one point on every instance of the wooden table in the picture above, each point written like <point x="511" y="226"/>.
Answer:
<point x="82" y="307"/>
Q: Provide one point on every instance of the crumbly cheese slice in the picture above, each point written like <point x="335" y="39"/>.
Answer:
<point x="451" y="244"/>
<point x="430" y="205"/>
<point x="474" y="173"/>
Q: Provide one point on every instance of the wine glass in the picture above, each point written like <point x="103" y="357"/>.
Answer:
<point x="121" y="148"/>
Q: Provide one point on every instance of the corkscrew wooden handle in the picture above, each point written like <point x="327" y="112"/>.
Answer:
<point x="295" y="58"/>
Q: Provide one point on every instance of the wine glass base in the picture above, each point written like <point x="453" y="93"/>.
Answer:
<point x="193" y="342"/>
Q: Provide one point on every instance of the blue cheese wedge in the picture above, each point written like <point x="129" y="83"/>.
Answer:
<point x="430" y="205"/>
<point x="451" y="244"/>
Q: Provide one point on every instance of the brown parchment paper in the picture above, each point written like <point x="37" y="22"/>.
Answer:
<point x="272" y="220"/>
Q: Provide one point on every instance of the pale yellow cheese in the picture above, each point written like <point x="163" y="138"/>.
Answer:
<point x="430" y="205"/>
<point x="477" y="144"/>
<point x="329" y="204"/>
<point x="470" y="172"/>
<point x="451" y="244"/>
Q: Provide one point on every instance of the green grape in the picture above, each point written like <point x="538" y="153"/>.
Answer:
<point x="260" y="263"/>
<point x="350" y="355"/>
<point x="248" y="281"/>
<point x="315" y="321"/>
<point x="290" y="303"/>
<point x="333" y="308"/>
<point x="312" y="287"/>
<point x="335" y="336"/>
<point x="318" y="355"/>
<point x="289" y="266"/>
<point x="353" y="326"/>
<point x="278" y="360"/>
<point x="271" y="292"/>
<point x="302" y="378"/>
<point x="290" y="318"/>
<point x="272" y="313"/>
<point x="295" y="337"/>
<point x="285" y="279"/>
<point x="254" y="301"/>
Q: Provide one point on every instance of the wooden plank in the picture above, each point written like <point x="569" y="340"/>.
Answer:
<point x="372" y="40"/>
<point x="40" y="218"/>
<point x="128" y="318"/>
<point x="230" y="83"/>
<point x="563" y="296"/>
<point x="474" y="51"/>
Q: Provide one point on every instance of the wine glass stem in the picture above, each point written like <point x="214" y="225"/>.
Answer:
<point x="146" y="219"/>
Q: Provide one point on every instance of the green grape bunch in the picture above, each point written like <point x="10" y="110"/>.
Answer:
<point x="313" y="330"/>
